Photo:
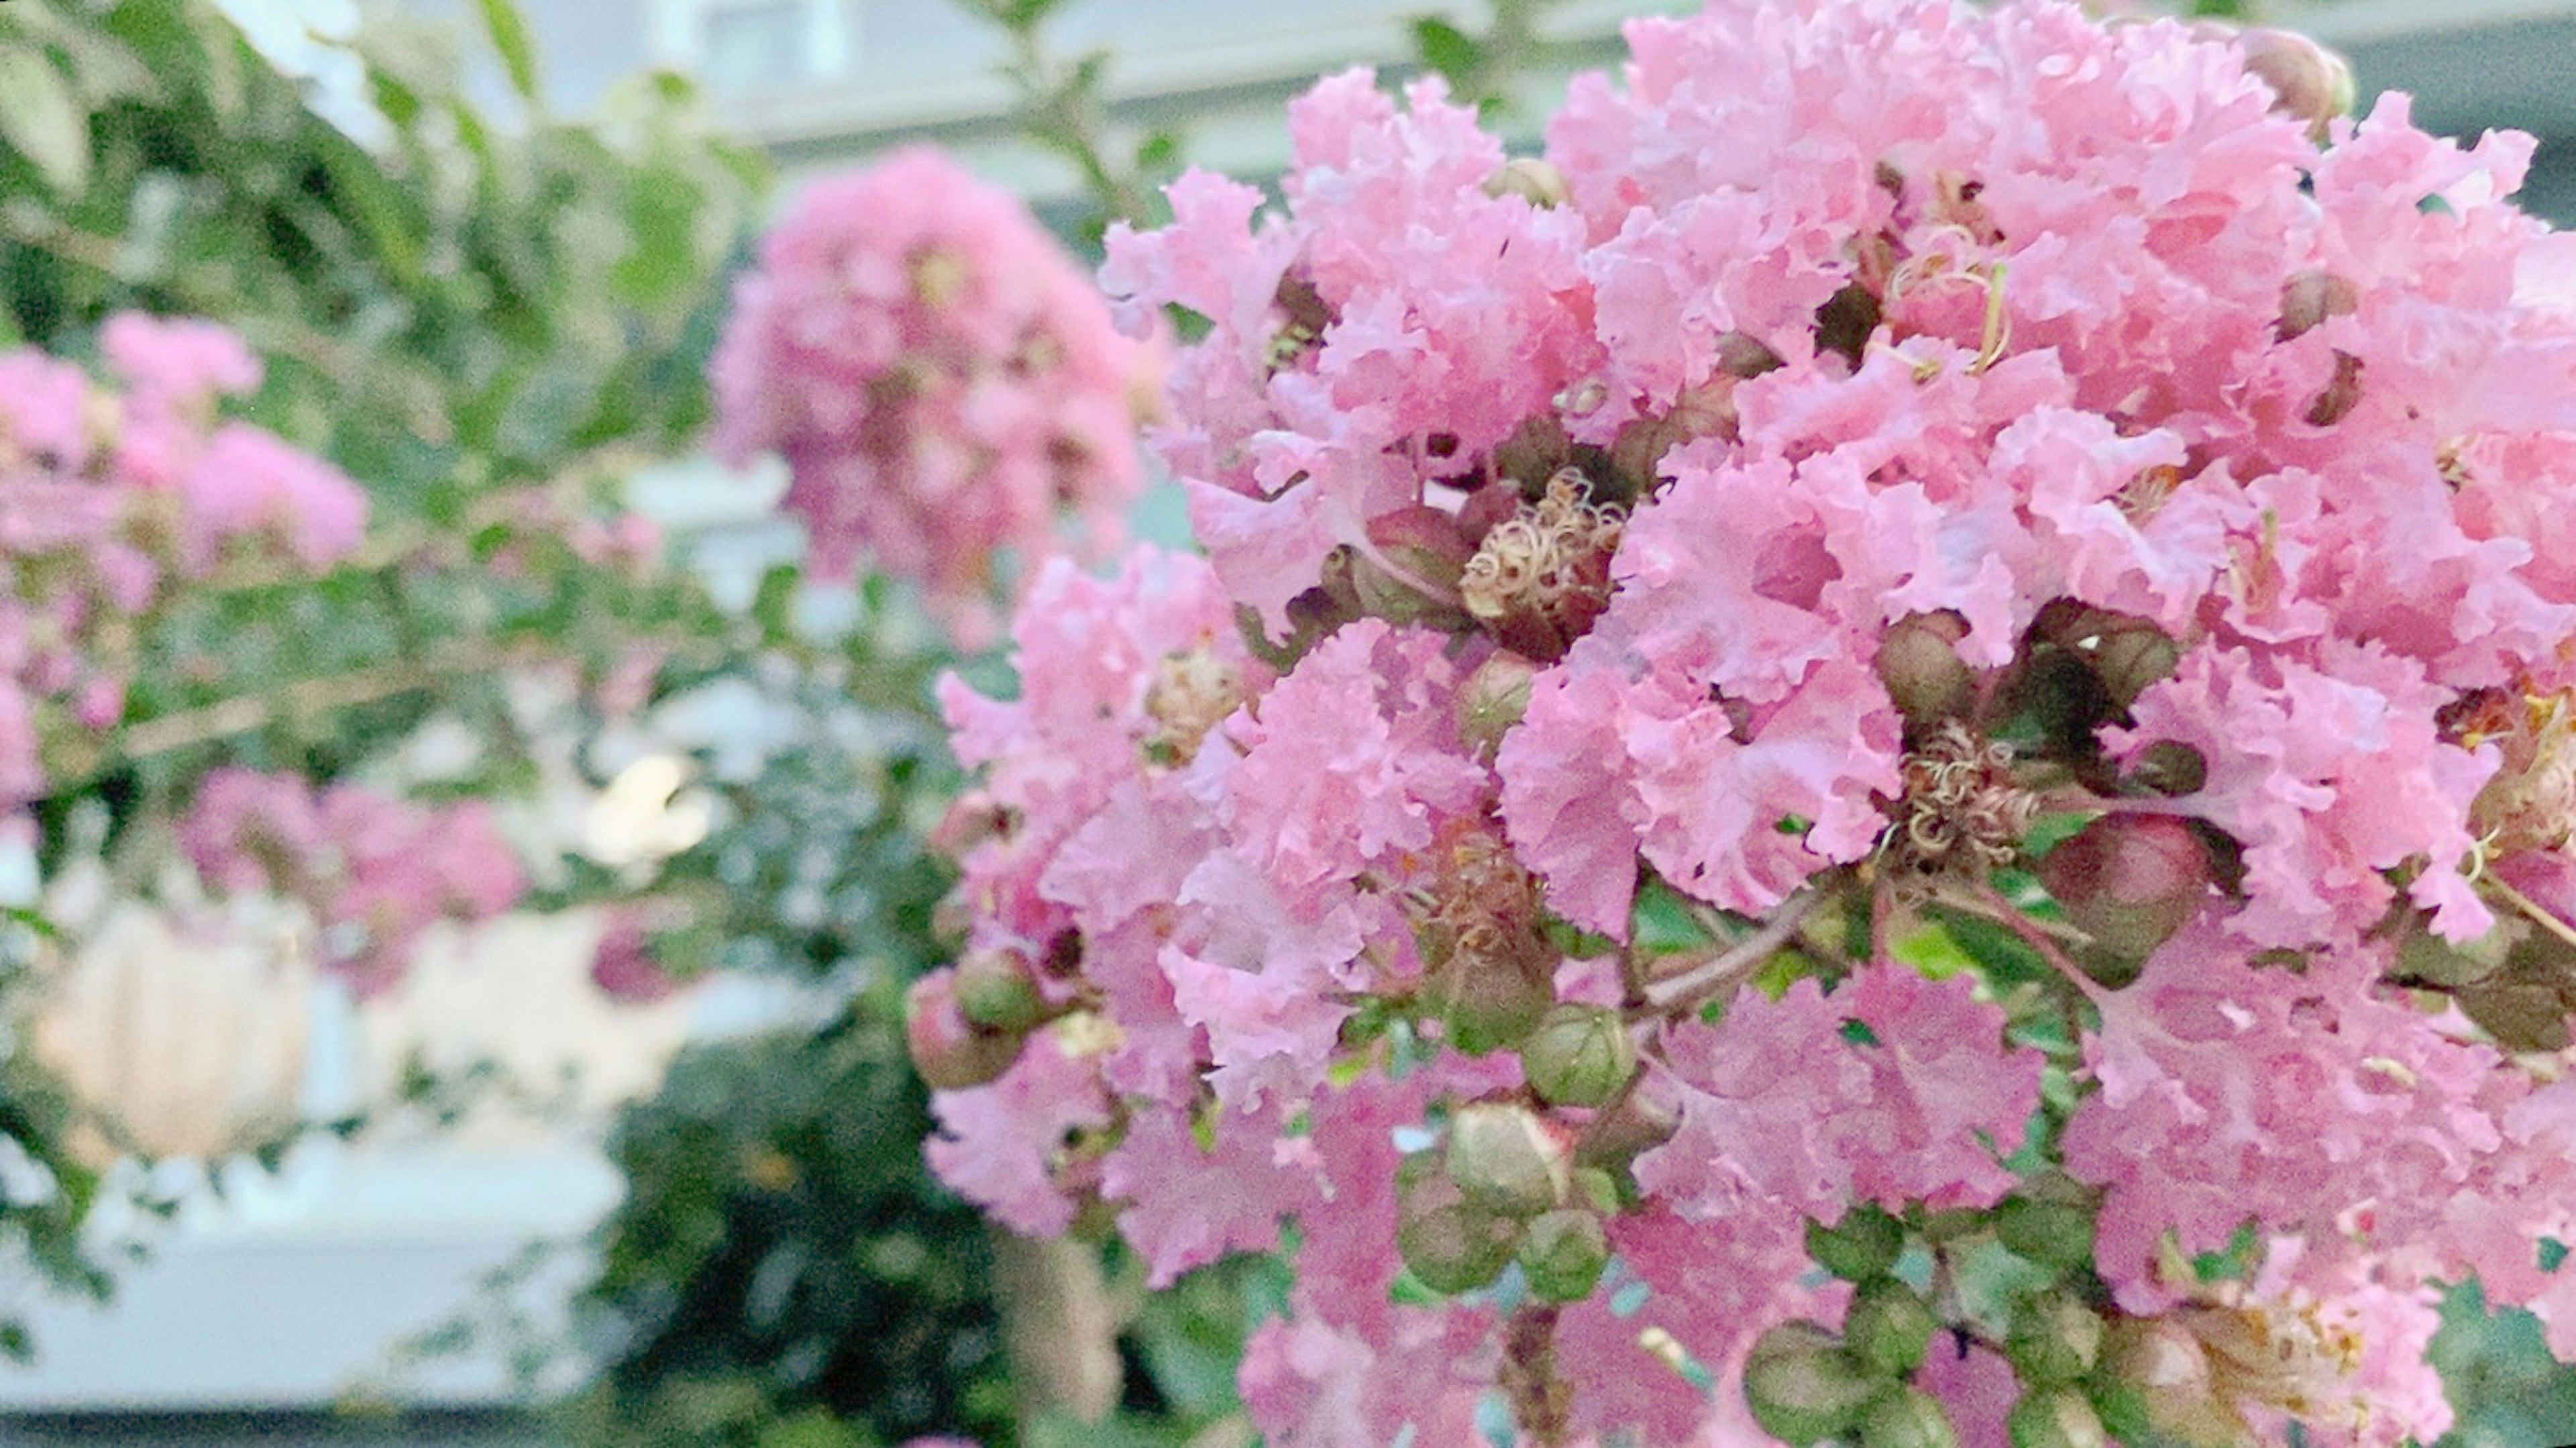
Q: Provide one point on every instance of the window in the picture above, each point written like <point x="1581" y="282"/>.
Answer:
<point x="752" y="47"/>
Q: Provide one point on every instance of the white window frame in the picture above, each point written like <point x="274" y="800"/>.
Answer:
<point x="678" y="36"/>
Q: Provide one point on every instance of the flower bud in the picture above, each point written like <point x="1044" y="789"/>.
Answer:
<point x="1618" y="1136"/>
<point x="1533" y="180"/>
<point x="2309" y="297"/>
<point x="1492" y="701"/>
<point x="1563" y="1252"/>
<point x="1451" y="1244"/>
<point x="1428" y="554"/>
<point x="1530" y="456"/>
<point x="1578" y="1056"/>
<point x="2341" y="395"/>
<point x="2161" y="1361"/>
<point x="1802" y="1387"/>
<point x="996" y="991"/>
<point x="2129" y="880"/>
<point x="1743" y="356"/>
<point x="2309" y="82"/>
<point x="1918" y="661"/>
<point x="2044" y="1230"/>
<point x="2168" y="767"/>
<point x="2055" y="1339"/>
<point x="1504" y="1159"/>
<point x="1487" y="1004"/>
<point x="950" y="1051"/>
<point x="1708" y="410"/>
<point x="1863" y="1245"/>
<point x="623" y="964"/>
<point x="1889" y="1327"/>
<point x="1907" y="1418"/>
<point x="2057" y="1418"/>
<point x="2129" y="658"/>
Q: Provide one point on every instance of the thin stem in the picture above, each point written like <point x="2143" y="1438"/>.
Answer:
<point x="1882" y="910"/>
<point x="2012" y="918"/>
<point x="2005" y="913"/>
<point x="2540" y="914"/>
<point x="244" y="713"/>
<point x="1722" y="973"/>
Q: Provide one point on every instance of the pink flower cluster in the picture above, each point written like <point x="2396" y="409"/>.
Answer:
<point x="108" y="500"/>
<point x="942" y="382"/>
<point x="375" y="871"/>
<point x="1569" y="859"/>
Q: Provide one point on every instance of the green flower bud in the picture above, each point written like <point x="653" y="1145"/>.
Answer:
<point x="950" y="1051"/>
<point x="997" y="992"/>
<point x="2128" y="660"/>
<point x="2168" y="767"/>
<point x="1563" y="1253"/>
<point x="2129" y="880"/>
<point x="2058" y="1418"/>
<point x="1530" y="456"/>
<point x="1579" y="1056"/>
<point x="2050" y="1233"/>
<point x="1504" y="1159"/>
<point x="1889" y="1327"/>
<point x="1907" y="1418"/>
<point x="1492" y="702"/>
<point x="1490" y="991"/>
<point x="1447" y="1242"/>
<point x="1802" y="1387"/>
<point x="2309" y="82"/>
<point x="1456" y="1248"/>
<point x="2055" y="1339"/>
<point x="1918" y="660"/>
<point x="1865" y="1244"/>
<point x="1428" y="555"/>
<point x="1621" y="1134"/>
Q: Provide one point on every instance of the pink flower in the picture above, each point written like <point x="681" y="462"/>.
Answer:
<point x="251" y="482"/>
<point x="178" y="362"/>
<point x="374" y="870"/>
<point x="995" y="1142"/>
<point x="622" y="963"/>
<point x="939" y="378"/>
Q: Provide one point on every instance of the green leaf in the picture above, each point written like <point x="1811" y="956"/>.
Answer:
<point x="1446" y="48"/>
<point x="509" y="32"/>
<point x="813" y="1428"/>
<point x="1662" y="922"/>
<point x="774" y="606"/>
<point x="42" y="120"/>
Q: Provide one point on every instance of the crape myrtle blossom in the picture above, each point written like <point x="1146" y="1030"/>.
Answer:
<point x="1883" y="752"/>
<point x="375" y="872"/>
<point x="111" y="497"/>
<point x="941" y="380"/>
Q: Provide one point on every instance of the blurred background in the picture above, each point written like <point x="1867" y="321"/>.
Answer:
<point x="512" y="1204"/>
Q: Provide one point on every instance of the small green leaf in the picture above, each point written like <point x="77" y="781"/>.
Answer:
<point x="42" y="120"/>
<point x="509" y="32"/>
<point x="1446" y="48"/>
<point x="1661" y="922"/>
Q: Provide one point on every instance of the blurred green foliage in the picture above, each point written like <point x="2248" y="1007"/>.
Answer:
<point x="487" y="320"/>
